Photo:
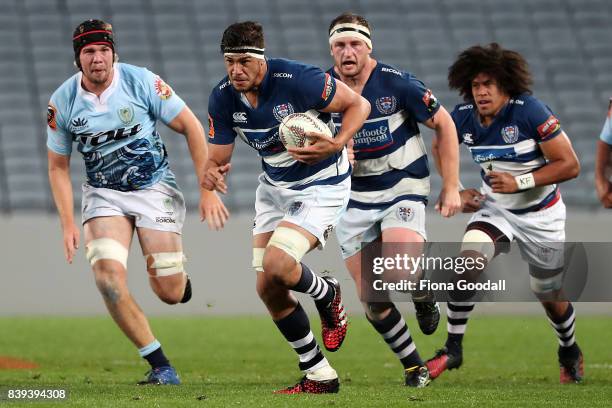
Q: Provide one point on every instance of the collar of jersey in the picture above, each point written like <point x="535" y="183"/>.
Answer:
<point x="104" y="95"/>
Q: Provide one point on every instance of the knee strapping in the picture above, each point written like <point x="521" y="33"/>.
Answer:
<point x="258" y="254"/>
<point x="479" y="241"/>
<point x="547" y="281"/>
<point x="106" y="248"/>
<point x="291" y="241"/>
<point x="166" y="263"/>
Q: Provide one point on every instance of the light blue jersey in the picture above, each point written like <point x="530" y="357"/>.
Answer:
<point x="606" y="132"/>
<point x="115" y="132"/>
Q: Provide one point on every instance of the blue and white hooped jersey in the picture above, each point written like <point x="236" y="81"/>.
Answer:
<point x="115" y="132"/>
<point x="287" y="87"/>
<point x="390" y="156"/>
<point x="606" y="132"/>
<point x="511" y="144"/>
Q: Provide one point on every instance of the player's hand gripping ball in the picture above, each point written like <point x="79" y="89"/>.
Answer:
<point x="293" y="129"/>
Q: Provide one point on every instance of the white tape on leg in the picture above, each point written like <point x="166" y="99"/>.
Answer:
<point x="106" y="248"/>
<point x="479" y="241"/>
<point x="291" y="241"/>
<point x="258" y="254"/>
<point x="166" y="263"/>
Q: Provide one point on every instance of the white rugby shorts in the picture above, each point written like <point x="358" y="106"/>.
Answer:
<point x="317" y="209"/>
<point x="540" y="234"/>
<point x="357" y="226"/>
<point x="160" y="207"/>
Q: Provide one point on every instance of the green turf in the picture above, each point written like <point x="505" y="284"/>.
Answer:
<point x="509" y="362"/>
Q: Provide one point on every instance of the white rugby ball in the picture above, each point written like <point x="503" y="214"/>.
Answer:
<point x="293" y="128"/>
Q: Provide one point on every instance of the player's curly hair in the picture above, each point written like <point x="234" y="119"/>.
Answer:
<point x="509" y="69"/>
<point x="348" y="17"/>
<point x="243" y="34"/>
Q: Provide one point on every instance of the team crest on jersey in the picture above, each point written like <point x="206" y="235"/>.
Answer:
<point x="162" y="89"/>
<point x="405" y="213"/>
<point x="78" y="124"/>
<point x="280" y="111"/>
<point x="510" y="134"/>
<point x="52" y="116"/>
<point x="467" y="138"/>
<point x="295" y="208"/>
<point x="126" y="114"/>
<point x="386" y="104"/>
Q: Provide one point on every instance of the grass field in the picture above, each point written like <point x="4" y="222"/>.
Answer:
<point x="227" y="361"/>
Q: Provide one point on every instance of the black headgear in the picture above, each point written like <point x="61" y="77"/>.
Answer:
<point x="91" y="32"/>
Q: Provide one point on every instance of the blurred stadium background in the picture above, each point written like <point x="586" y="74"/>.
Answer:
<point x="567" y="43"/>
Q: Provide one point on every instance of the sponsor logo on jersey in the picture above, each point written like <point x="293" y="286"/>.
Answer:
<point x="373" y="136"/>
<point x="78" y="124"/>
<point x="282" y="75"/>
<point x="126" y="114"/>
<point x="295" y="208"/>
<point x="328" y="88"/>
<point x="211" y="127"/>
<point x="96" y="139"/>
<point x="260" y="140"/>
<point x="517" y="102"/>
<point x="162" y="89"/>
<point x="391" y="70"/>
<point x="52" y="116"/>
<point x="510" y="134"/>
<point x="405" y="214"/>
<point x="464" y="107"/>
<point x="430" y="101"/>
<point x="282" y="110"/>
<point x="549" y="127"/>
<point x="386" y="104"/>
<point x="223" y="85"/>
<point x="467" y="138"/>
<point x="240" y="117"/>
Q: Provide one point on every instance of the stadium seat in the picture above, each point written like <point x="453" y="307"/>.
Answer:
<point x="567" y="44"/>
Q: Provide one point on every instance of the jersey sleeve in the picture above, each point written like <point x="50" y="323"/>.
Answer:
<point x="165" y="104"/>
<point x="417" y="99"/>
<point x="219" y="128"/>
<point x="317" y="88"/>
<point x="606" y="132"/>
<point x="456" y="120"/>
<point x="543" y="123"/>
<point x="59" y="138"/>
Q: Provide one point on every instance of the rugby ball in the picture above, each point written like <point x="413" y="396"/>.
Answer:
<point x="293" y="128"/>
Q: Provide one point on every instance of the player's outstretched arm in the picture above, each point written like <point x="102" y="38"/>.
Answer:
<point x="445" y="150"/>
<point x="603" y="171"/>
<point x="211" y="207"/>
<point x="59" y="178"/>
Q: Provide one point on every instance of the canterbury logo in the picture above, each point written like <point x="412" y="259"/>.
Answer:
<point x="79" y="122"/>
